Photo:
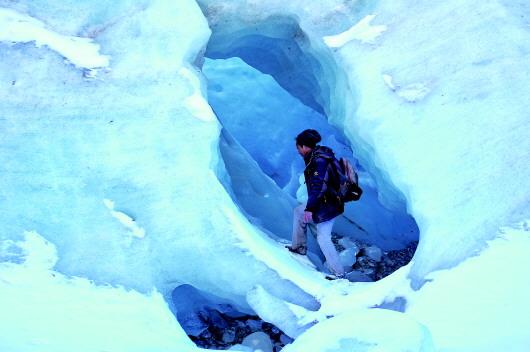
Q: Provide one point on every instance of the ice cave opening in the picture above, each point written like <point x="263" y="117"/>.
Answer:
<point x="267" y="81"/>
<point x="214" y="323"/>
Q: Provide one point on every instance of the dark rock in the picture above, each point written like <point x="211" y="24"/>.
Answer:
<point x="284" y="339"/>
<point x="223" y="331"/>
<point x="206" y="335"/>
<point x="193" y="324"/>
<point x="216" y="319"/>
<point x="374" y="253"/>
<point x="254" y="325"/>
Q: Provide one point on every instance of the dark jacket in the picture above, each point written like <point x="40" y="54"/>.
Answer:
<point x="322" y="201"/>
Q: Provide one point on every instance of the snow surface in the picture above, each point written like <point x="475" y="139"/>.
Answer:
<point x="19" y="28"/>
<point x="366" y="330"/>
<point x="44" y="310"/>
<point x="452" y="149"/>
<point x="361" y="31"/>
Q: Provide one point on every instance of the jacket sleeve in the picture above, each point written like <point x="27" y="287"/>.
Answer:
<point x="316" y="185"/>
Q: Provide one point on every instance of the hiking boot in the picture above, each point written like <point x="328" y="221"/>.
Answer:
<point x="335" y="276"/>
<point x="299" y="250"/>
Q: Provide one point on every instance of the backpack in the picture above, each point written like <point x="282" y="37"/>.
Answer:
<point x="345" y="181"/>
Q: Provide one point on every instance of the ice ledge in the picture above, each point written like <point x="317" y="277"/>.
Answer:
<point x="81" y="52"/>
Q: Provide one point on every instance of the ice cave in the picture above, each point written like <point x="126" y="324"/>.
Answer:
<point x="260" y="119"/>
<point x="149" y="174"/>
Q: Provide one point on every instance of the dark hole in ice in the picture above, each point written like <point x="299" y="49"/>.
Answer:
<point x="214" y="323"/>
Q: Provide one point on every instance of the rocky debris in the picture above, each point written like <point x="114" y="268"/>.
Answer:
<point x="240" y="333"/>
<point x="339" y="241"/>
<point x="393" y="260"/>
<point x="255" y="325"/>
<point x="371" y="263"/>
<point x="233" y="330"/>
<point x="193" y="323"/>
<point x="229" y="336"/>
<point x="373" y="253"/>
<point x="284" y="339"/>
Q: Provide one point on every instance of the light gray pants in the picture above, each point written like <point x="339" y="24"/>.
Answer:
<point x="323" y="238"/>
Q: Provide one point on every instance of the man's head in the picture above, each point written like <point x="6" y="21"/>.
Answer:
<point x="306" y="141"/>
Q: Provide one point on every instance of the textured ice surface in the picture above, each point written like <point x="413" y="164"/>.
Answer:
<point x="19" y="28"/>
<point x="462" y="126"/>
<point x="453" y="121"/>
<point x="264" y="119"/>
<point x="121" y="172"/>
<point x="361" y="31"/>
<point x="435" y="108"/>
<point x="485" y="296"/>
<point x="368" y="331"/>
<point x="259" y="197"/>
<point x="44" y="310"/>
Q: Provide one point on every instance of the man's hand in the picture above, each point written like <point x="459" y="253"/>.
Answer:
<point x="308" y="216"/>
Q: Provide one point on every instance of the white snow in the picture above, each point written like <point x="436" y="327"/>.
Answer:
<point x="44" y="310"/>
<point x="196" y="103"/>
<point x="444" y="137"/>
<point x="280" y="313"/>
<point x="362" y="31"/>
<point x="366" y="330"/>
<point x="21" y="28"/>
<point x="482" y="304"/>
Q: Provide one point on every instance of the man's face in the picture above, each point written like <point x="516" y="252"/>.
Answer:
<point x="302" y="150"/>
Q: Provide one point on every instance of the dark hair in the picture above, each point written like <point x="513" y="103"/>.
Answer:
<point x="308" y="138"/>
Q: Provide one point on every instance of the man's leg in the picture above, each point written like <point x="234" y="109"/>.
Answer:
<point x="299" y="228"/>
<point x="328" y="248"/>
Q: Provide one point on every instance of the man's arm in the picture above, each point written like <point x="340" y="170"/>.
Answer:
<point x="316" y="186"/>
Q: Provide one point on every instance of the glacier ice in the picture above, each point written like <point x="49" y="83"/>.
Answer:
<point x="369" y="330"/>
<point x="258" y="341"/>
<point x="348" y="257"/>
<point x="236" y="91"/>
<point x="414" y="142"/>
<point x="44" y="310"/>
<point x="81" y="52"/>
<point x="434" y="108"/>
<point x="361" y="31"/>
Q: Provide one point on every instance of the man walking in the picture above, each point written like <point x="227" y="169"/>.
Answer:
<point x="323" y="204"/>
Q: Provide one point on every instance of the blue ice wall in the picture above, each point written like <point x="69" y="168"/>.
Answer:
<point x="265" y="118"/>
<point x="269" y="47"/>
<point x="261" y="120"/>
